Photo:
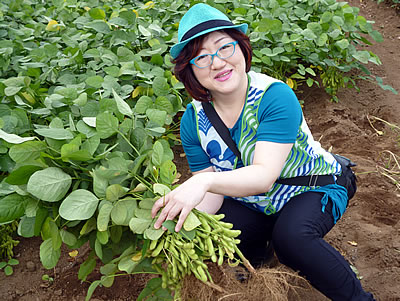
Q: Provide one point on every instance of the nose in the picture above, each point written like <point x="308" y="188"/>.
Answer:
<point x="217" y="63"/>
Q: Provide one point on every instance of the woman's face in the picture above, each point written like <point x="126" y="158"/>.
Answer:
<point x="223" y="76"/>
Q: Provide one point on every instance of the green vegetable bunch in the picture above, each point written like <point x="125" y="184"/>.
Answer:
<point x="204" y="238"/>
<point x="7" y="242"/>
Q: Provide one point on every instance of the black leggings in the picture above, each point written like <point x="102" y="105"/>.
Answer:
<point x="297" y="232"/>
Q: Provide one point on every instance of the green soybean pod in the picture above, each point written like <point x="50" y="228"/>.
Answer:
<point x="220" y="256"/>
<point x="158" y="249"/>
<point x="203" y="276"/>
<point x="210" y="246"/>
<point x="218" y="217"/>
<point x="153" y="244"/>
<point x="183" y="259"/>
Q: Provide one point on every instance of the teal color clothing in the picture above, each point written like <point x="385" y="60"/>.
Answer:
<point x="271" y="113"/>
<point x="279" y="117"/>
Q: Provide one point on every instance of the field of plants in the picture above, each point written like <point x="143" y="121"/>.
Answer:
<point x="89" y="139"/>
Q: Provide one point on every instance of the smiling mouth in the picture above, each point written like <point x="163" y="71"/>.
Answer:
<point x="223" y="74"/>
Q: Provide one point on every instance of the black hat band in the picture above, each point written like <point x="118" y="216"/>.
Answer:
<point x="204" y="26"/>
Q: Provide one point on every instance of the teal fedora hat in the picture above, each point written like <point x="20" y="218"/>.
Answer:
<point x="199" y="20"/>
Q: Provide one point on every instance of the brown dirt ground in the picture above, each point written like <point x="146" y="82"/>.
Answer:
<point x="368" y="235"/>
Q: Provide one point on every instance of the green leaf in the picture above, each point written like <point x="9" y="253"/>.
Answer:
<point x="310" y="71"/>
<point x="100" y="184"/>
<point x="143" y="103"/>
<point x="26" y="227"/>
<point x="309" y="34"/>
<point x="72" y="152"/>
<point x="79" y="205"/>
<point x="95" y="81"/>
<point x="107" y="281"/>
<point x="116" y="233"/>
<point x="123" y="107"/>
<point x="154" y="288"/>
<point x="190" y="235"/>
<point x="144" y="31"/>
<point x="123" y="211"/>
<point x="157" y="116"/>
<point x="362" y="56"/>
<point x="81" y="100"/>
<point x="13" y="261"/>
<point x="21" y="175"/>
<point x="67" y="237"/>
<point x="127" y="264"/>
<point x="40" y="217"/>
<point x="55" y="236"/>
<point x="158" y="153"/>
<point x="343" y="43"/>
<point x="170" y="225"/>
<point x="269" y="25"/>
<point x="160" y="86"/>
<point x="191" y="222"/>
<point x="91" y="289"/>
<point x="98" y="248"/>
<point x="338" y="20"/>
<point x="106" y="124"/>
<point x="102" y="237"/>
<point x="143" y="213"/>
<point x="322" y="39"/>
<point x="139" y="225"/>
<point x="10" y="91"/>
<point x="376" y="36"/>
<point x="86" y="268"/>
<point x="153" y="234"/>
<point x="89" y="226"/>
<point x="146" y="203"/>
<point x="12" y="207"/>
<point x="99" y="26"/>
<point x="14" y="139"/>
<point x="8" y="270"/>
<point x="97" y="13"/>
<point x="103" y="217"/>
<point x="161" y="189"/>
<point x="163" y="103"/>
<point x="91" y="144"/>
<point x="48" y="256"/>
<point x="168" y="172"/>
<point x="326" y="17"/>
<point x="55" y="133"/>
<point x="27" y="151"/>
<point x="115" y="191"/>
<point x="50" y="184"/>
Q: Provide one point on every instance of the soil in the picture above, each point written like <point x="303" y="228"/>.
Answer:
<point x="368" y="235"/>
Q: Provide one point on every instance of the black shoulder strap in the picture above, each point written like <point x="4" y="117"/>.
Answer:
<point x="220" y="127"/>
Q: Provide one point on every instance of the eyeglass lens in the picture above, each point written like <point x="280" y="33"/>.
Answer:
<point x="224" y="52"/>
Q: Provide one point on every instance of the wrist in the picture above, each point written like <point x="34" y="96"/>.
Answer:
<point x="205" y="180"/>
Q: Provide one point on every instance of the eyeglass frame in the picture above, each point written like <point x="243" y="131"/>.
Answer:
<point x="192" y="61"/>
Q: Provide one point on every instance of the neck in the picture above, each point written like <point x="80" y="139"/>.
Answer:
<point x="229" y="106"/>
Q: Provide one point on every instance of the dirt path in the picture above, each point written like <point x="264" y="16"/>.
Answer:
<point x="369" y="233"/>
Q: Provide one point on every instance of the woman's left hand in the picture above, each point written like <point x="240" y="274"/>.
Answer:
<point x="180" y="200"/>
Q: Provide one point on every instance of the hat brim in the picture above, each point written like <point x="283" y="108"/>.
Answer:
<point x="177" y="48"/>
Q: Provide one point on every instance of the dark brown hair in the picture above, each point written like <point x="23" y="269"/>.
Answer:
<point x="183" y="69"/>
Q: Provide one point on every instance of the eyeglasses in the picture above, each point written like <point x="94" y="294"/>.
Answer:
<point x="224" y="52"/>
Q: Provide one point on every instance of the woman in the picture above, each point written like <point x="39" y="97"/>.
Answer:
<point x="271" y="191"/>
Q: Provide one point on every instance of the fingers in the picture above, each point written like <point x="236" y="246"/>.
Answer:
<point x="157" y="205"/>
<point x="182" y="217"/>
<point x="171" y="209"/>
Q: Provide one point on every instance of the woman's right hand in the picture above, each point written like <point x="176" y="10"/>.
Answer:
<point x="181" y="200"/>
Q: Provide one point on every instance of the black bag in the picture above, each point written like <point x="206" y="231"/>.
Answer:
<point x="348" y="178"/>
